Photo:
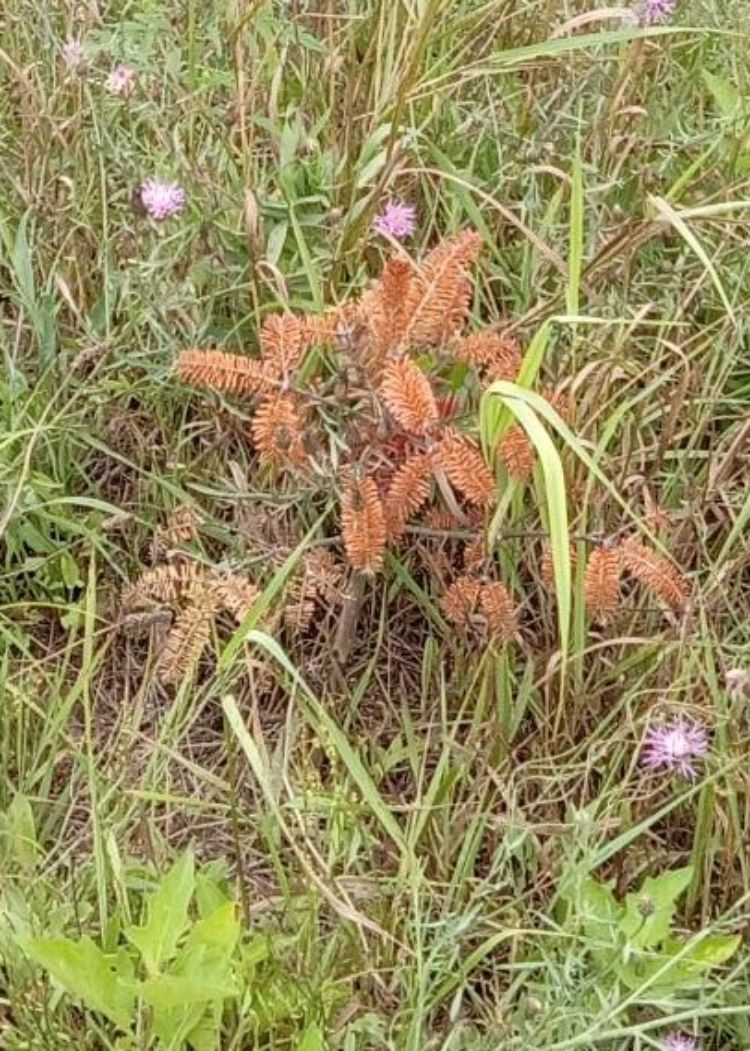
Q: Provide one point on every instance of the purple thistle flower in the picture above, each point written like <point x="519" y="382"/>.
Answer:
<point x="679" y="1042"/>
<point x="120" y="81"/>
<point x="162" y="199"/>
<point x="396" y="220"/>
<point x="652" y="11"/>
<point x="73" y="53"/>
<point x="675" y="747"/>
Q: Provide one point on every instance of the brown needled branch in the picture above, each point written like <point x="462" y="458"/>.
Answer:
<point x="601" y="588"/>
<point x="363" y="525"/>
<point x="219" y="371"/>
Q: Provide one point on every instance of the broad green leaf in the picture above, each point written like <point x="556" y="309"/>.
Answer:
<point x="209" y="895"/>
<point x="205" y="1035"/>
<point x="166" y="915"/>
<point x="712" y="951"/>
<point x="679" y="969"/>
<point x="34" y="539"/>
<point x="201" y="973"/>
<point x="256" y="950"/>
<point x="669" y="886"/>
<point x="649" y="913"/>
<point x="654" y="976"/>
<point x="312" y="1039"/>
<point x="275" y="242"/>
<point x="219" y="931"/>
<point x="725" y="94"/>
<point x="599" y="912"/>
<point x="172" y="1025"/>
<point x="84" y="971"/>
<point x="21" y="260"/>
<point x="22" y="833"/>
<point x="309" y="265"/>
<point x="174" y="990"/>
<point x="69" y="570"/>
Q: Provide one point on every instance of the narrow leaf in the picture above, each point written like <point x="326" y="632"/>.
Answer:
<point x="319" y="717"/>
<point x="520" y="402"/>
<point x="575" y="237"/>
<point x="672" y="216"/>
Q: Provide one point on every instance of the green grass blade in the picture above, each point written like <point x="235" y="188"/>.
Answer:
<point x="665" y="209"/>
<point x="322" y="721"/>
<point x="520" y="403"/>
<point x="575" y="246"/>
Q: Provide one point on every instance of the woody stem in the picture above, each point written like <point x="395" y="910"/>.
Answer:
<point x="350" y="610"/>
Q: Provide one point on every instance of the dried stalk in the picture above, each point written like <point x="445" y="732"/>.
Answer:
<point x="349" y="615"/>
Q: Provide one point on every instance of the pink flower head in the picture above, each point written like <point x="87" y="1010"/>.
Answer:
<point x="679" y="1042"/>
<point x="676" y="747"/>
<point x="652" y="11"/>
<point x="396" y="220"/>
<point x="73" y="53"/>
<point x="120" y="81"/>
<point x="162" y="199"/>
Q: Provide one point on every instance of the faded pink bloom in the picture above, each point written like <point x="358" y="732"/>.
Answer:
<point x="656" y="11"/>
<point x="679" y="1042"/>
<point x="120" y="81"/>
<point x="73" y="53"/>
<point x="738" y="683"/>
<point x="676" y="747"/>
<point x="162" y="199"/>
<point x="396" y="220"/>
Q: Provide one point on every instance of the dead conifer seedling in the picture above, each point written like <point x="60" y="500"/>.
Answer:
<point x="655" y="571"/>
<point x="376" y="418"/>
<point x="189" y="636"/>
<point x="191" y="594"/>
<point x="363" y="525"/>
<point x="499" y="611"/>
<point x="390" y="424"/>
<point x="460" y="601"/>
